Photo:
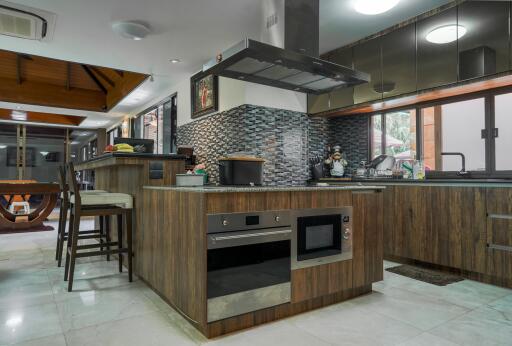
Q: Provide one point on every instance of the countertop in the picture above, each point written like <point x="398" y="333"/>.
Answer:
<point x="112" y="159"/>
<point x="427" y="182"/>
<point x="221" y="189"/>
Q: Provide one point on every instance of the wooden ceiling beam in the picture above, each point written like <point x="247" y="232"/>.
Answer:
<point x="94" y="79"/>
<point x="124" y="86"/>
<point x="103" y="76"/>
<point x="68" y="75"/>
<point x="51" y="95"/>
<point x="18" y="68"/>
<point x="47" y="118"/>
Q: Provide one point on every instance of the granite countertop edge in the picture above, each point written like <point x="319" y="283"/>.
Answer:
<point x="217" y="189"/>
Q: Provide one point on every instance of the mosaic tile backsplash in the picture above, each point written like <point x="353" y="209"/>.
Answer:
<point x="285" y="139"/>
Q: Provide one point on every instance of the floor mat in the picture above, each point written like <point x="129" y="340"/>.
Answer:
<point x="42" y="228"/>
<point x="430" y="276"/>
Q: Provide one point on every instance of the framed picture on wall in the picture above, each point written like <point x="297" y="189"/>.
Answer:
<point x="204" y="92"/>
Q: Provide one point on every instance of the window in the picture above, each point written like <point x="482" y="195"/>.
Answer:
<point x="159" y="124"/>
<point x="376" y="129"/>
<point x="454" y="127"/>
<point x="503" y="133"/>
<point x="480" y="128"/>
<point x="400" y="139"/>
<point x="394" y="134"/>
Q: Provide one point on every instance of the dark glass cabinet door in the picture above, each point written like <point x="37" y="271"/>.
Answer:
<point x="367" y="58"/>
<point x="484" y="49"/>
<point x="437" y="62"/>
<point x="342" y="97"/>
<point x="399" y="62"/>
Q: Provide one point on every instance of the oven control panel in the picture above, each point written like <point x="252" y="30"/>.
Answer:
<point x="231" y="222"/>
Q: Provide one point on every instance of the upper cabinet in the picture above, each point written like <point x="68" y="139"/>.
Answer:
<point x="457" y="44"/>
<point x="399" y="61"/>
<point x="484" y="45"/>
<point x="345" y="96"/>
<point x="437" y="50"/>
<point x="367" y="58"/>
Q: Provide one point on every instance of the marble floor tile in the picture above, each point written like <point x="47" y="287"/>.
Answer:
<point x="28" y="323"/>
<point x="483" y="326"/>
<point x="427" y="339"/>
<point x="152" y="329"/>
<point x="467" y="293"/>
<point x="503" y="305"/>
<point x="52" y="340"/>
<point x="282" y="333"/>
<point x="423" y="312"/>
<point x="19" y="296"/>
<point x="348" y="324"/>
<point x="96" y="307"/>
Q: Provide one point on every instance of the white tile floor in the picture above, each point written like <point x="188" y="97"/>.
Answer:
<point x="105" y="309"/>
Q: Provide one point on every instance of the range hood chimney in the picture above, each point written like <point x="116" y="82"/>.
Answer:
<point x="289" y="57"/>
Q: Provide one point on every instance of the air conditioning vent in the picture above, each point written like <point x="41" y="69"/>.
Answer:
<point x="25" y="22"/>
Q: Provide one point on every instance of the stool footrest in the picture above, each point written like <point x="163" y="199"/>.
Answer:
<point x="101" y="253"/>
<point x="94" y="246"/>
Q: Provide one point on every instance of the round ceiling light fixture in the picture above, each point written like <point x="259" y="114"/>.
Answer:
<point x="131" y="30"/>
<point x="373" y="7"/>
<point x="175" y="61"/>
<point x="446" y="34"/>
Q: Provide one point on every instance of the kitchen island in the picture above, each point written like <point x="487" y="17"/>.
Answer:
<point x="176" y="251"/>
<point x="128" y="173"/>
<point x="461" y="225"/>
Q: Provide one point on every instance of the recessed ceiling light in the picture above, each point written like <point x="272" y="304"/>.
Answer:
<point x="19" y="115"/>
<point x="373" y="7"/>
<point x="131" y="30"/>
<point x="175" y="61"/>
<point x="446" y="34"/>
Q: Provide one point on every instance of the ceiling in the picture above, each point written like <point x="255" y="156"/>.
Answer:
<point x="192" y="31"/>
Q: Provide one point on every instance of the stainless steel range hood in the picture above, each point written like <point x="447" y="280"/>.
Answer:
<point x="288" y="68"/>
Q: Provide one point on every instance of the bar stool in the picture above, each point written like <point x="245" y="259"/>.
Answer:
<point x="102" y="234"/>
<point x="97" y="204"/>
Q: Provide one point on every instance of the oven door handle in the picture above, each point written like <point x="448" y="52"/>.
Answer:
<point x="225" y="240"/>
<point x="250" y="235"/>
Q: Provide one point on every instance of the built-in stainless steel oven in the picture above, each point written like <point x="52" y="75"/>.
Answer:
<point x="248" y="262"/>
<point x="321" y="236"/>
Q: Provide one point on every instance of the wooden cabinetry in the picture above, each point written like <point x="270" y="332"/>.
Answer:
<point x="499" y="235"/>
<point x="172" y="252"/>
<point x="465" y="228"/>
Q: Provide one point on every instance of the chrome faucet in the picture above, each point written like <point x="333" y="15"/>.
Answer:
<point x="463" y="171"/>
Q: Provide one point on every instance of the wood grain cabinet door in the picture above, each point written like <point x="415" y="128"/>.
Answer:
<point x="368" y="248"/>
<point x="499" y="233"/>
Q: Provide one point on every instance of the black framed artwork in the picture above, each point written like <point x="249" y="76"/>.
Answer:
<point x="204" y="92"/>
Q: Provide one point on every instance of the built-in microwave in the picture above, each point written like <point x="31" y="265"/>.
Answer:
<point x="321" y="236"/>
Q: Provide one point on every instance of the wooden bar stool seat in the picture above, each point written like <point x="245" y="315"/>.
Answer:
<point x="102" y="205"/>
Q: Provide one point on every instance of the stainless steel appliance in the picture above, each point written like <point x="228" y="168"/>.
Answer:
<point x="291" y="59"/>
<point x="248" y="262"/>
<point x="321" y="236"/>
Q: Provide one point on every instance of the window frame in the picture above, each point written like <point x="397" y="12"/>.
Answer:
<point x="140" y="117"/>
<point x="490" y="142"/>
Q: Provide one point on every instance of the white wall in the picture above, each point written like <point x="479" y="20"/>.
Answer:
<point x="233" y="93"/>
